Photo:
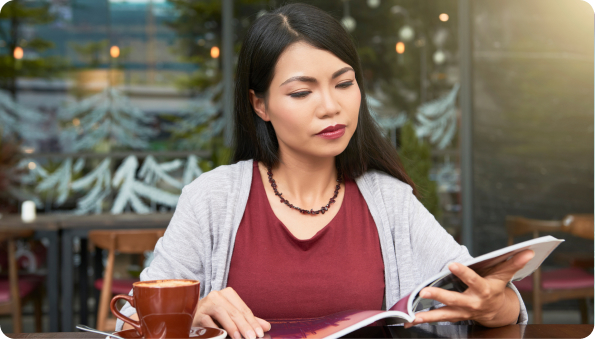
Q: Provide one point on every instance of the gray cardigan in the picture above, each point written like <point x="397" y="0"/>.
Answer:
<point x="198" y="243"/>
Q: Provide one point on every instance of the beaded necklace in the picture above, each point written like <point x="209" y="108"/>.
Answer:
<point x="322" y="210"/>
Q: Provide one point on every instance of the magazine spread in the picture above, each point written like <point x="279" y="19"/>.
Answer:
<point x="342" y="323"/>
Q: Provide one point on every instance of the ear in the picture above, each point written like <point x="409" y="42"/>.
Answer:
<point x="259" y="106"/>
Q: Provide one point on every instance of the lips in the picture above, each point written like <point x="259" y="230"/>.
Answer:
<point x="331" y="129"/>
<point x="332" y="132"/>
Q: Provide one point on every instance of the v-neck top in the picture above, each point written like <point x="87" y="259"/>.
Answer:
<point x="279" y="276"/>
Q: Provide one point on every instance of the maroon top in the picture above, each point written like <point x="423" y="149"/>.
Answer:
<point x="280" y="276"/>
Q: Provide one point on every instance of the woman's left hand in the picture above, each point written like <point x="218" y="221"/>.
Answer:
<point x="487" y="300"/>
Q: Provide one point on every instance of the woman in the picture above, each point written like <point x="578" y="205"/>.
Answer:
<point x="254" y="233"/>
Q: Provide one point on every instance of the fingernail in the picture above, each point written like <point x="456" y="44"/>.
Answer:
<point x="237" y="335"/>
<point x="424" y="294"/>
<point x="260" y="332"/>
<point x="453" y="267"/>
<point x="250" y="335"/>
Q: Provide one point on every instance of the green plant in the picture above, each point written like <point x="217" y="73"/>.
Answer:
<point x="417" y="160"/>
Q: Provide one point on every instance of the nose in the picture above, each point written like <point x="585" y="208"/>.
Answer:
<point x="329" y="105"/>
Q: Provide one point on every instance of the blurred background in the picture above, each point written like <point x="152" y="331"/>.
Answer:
<point x="109" y="107"/>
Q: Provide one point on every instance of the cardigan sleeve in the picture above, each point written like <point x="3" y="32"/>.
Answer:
<point x="434" y="249"/>
<point x="178" y="253"/>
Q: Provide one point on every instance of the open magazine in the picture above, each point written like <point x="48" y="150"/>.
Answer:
<point x="339" y="324"/>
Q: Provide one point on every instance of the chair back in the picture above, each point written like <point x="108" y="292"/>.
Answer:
<point x="517" y="226"/>
<point x="13" y="306"/>
<point x="580" y="225"/>
<point x="126" y="241"/>
<point x="122" y="241"/>
<point x="12" y="234"/>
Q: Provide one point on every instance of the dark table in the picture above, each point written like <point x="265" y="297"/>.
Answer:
<point x="45" y="226"/>
<point x="79" y="226"/>
<point x="427" y="331"/>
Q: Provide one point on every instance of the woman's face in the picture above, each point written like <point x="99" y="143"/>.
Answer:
<point x="313" y="102"/>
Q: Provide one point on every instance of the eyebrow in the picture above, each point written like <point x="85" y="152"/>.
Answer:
<point x="304" y="78"/>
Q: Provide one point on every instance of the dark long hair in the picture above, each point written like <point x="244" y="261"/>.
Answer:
<point x="268" y="37"/>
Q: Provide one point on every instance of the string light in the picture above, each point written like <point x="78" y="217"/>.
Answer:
<point x="400" y="47"/>
<point x="215" y="52"/>
<point x="114" y="51"/>
<point x="18" y="53"/>
<point x="443" y="17"/>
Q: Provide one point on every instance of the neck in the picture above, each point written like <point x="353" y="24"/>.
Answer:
<point x="306" y="182"/>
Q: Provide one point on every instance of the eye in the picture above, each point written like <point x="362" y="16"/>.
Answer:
<point x="299" y="94"/>
<point x="345" y="84"/>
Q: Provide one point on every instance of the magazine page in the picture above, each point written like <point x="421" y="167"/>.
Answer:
<point x="339" y="324"/>
<point x="329" y="327"/>
<point x="542" y="246"/>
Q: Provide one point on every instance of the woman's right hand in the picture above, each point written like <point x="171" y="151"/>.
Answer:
<point x="226" y="308"/>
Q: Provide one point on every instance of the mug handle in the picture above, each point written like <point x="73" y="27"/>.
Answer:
<point x="116" y="312"/>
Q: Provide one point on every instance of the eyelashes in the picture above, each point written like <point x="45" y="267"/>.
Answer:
<point x="345" y="84"/>
<point x="305" y="93"/>
<point x="299" y="94"/>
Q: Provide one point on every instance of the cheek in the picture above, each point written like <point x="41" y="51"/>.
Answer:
<point x="289" y="116"/>
<point x="353" y="102"/>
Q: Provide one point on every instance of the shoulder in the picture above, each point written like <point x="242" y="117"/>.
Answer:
<point x="219" y="181"/>
<point x="382" y="182"/>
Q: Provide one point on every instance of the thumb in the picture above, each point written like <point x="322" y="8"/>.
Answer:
<point x="506" y="270"/>
<point x="521" y="259"/>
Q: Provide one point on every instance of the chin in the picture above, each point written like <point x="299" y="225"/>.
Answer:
<point x="331" y="151"/>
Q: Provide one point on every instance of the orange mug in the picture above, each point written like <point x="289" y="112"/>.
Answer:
<point x="165" y="308"/>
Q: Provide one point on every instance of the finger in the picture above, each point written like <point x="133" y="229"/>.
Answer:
<point x="266" y="326"/>
<point x="447" y="313"/>
<point x="230" y="317"/>
<point x="469" y="277"/>
<point x="449" y="298"/>
<point x="228" y="325"/>
<point x="232" y="296"/>
<point x="206" y="321"/>
<point x="506" y="270"/>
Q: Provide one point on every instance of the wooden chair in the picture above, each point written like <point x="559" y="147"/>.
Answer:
<point x="560" y="284"/>
<point x="15" y="290"/>
<point x="125" y="241"/>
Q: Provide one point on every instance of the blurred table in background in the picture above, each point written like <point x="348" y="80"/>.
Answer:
<point x="79" y="226"/>
<point x="48" y="227"/>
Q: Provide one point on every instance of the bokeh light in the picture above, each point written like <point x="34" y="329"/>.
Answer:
<point x="114" y="51"/>
<point x="18" y="53"/>
<point x="215" y="52"/>
<point x="400" y="47"/>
